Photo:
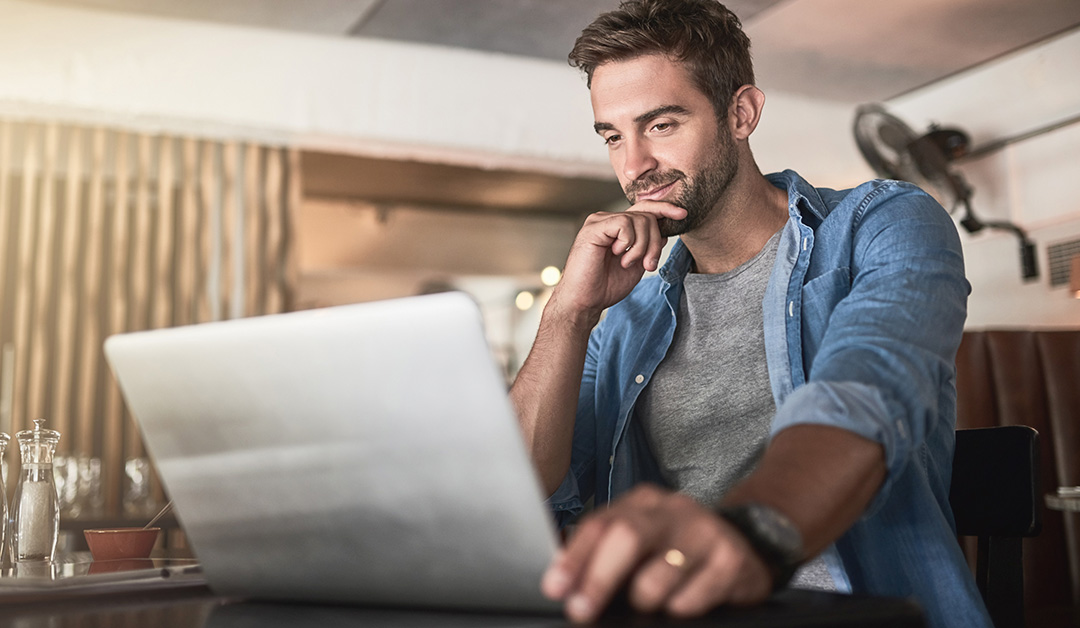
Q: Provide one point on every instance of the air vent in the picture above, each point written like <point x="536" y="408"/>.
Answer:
<point x="1061" y="255"/>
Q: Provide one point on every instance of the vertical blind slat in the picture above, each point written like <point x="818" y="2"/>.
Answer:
<point x="163" y="299"/>
<point x="90" y="347"/>
<point x="117" y="305"/>
<point x="227" y="224"/>
<point x="7" y="242"/>
<point x="139" y="269"/>
<point x="188" y="240"/>
<point x="140" y="240"/>
<point x="252" y="227"/>
<point x="207" y="187"/>
<point x="164" y="286"/>
<point x="23" y="303"/>
<point x="65" y="334"/>
<point x="275" y="301"/>
<point x="288" y="262"/>
<point x="46" y="211"/>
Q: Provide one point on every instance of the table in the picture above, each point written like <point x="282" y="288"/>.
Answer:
<point x="793" y="609"/>
<point x="196" y="606"/>
<point x="1066" y="499"/>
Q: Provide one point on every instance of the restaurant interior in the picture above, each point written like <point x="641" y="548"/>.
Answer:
<point x="171" y="163"/>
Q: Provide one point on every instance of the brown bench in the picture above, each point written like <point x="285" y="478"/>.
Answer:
<point x="1023" y="377"/>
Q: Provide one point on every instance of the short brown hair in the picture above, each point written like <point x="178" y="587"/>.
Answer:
<point x="703" y="34"/>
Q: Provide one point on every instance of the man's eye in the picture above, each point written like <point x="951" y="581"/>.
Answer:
<point x="611" y="139"/>
<point x="662" y="126"/>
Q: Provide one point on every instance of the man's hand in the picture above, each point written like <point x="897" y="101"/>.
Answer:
<point x="631" y="542"/>
<point x="611" y="253"/>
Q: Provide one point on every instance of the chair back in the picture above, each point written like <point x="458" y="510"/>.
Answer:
<point x="995" y="496"/>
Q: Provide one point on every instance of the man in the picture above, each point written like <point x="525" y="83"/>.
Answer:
<point x="789" y="372"/>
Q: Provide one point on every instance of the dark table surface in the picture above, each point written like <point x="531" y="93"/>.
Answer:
<point x="195" y="606"/>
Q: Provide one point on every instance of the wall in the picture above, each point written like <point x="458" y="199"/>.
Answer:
<point x="1029" y="182"/>
<point x="380" y="98"/>
<point x="329" y="92"/>
<point x="369" y="97"/>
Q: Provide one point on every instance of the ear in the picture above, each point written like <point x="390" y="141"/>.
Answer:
<point x="746" y="107"/>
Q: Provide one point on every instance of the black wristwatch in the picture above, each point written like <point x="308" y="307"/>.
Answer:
<point x="771" y="535"/>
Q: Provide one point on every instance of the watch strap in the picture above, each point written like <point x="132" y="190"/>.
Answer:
<point x="772" y="536"/>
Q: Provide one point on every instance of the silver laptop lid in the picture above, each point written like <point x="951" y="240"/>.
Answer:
<point x="364" y="453"/>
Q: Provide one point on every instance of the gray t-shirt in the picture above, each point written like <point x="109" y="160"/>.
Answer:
<point x="707" y="410"/>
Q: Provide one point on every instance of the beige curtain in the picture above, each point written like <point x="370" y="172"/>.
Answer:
<point x="104" y="231"/>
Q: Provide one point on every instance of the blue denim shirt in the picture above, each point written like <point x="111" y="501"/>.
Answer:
<point x="863" y="315"/>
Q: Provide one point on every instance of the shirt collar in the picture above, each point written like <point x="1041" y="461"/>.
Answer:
<point x="802" y="198"/>
<point x="677" y="265"/>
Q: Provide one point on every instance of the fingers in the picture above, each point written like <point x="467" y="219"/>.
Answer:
<point x="600" y="557"/>
<point x="650" y="253"/>
<point x="612" y="561"/>
<point x="706" y="588"/>
<point x="657" y="578"/>
<point x="659" y="209"/>
<point x="647" y="251"/>
<point x="632" y="542"/>
<point x="634" y="239"/>
<point x="633" y="235"/>
<point x="570" y="563"/>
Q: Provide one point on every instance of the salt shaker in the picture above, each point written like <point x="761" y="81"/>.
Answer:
<point x="37" y="509"/>
<point x="4" y="439"/>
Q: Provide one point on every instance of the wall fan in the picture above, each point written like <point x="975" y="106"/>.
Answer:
<point x="894" y="151"/>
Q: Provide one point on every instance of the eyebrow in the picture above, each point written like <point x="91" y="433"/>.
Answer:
<point x="664" y="110"/>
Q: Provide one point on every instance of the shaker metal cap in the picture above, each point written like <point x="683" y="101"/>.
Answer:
<point x="38" y="434"/>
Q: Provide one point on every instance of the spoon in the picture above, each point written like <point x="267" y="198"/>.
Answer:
<point x="164" y="510"/>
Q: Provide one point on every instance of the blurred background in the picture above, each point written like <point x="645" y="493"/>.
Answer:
<point x="166" y="163"/>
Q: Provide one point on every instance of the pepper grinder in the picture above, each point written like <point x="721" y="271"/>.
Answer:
<point x="37" y="509"/>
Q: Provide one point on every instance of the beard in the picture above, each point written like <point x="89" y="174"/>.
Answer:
<point x="700" y="194"/>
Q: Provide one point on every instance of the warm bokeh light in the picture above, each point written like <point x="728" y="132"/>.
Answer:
<point x="524" y="300"/>
<point x="1074" y="276"/>
<point x="550" y="276"/>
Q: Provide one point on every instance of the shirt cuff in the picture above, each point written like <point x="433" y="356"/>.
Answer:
<point x="565" y="503"/>
<point x="857" y="408"/>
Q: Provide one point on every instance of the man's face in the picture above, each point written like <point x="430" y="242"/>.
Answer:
<point x="664" y="140"/>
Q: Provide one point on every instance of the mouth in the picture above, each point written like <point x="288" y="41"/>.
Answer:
<point x="656" y="193"/>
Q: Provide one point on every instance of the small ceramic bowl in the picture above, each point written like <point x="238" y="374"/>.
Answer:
<point x="118" y="543"/>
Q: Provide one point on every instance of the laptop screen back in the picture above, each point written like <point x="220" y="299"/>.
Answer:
<point x="363" y="454"/>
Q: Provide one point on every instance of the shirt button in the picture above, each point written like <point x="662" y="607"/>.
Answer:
<point x="791" y="308"/>
<point x="611" y="460"/>
<point x="639" y="378"/>
<point x="805" y="243"/>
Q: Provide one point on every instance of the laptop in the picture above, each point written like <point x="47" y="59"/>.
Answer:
<point x="361" y="454"/>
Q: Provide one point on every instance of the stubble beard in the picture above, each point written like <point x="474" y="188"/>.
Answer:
<point x="699" y="195"/>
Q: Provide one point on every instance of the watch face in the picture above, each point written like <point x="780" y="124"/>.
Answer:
<point x="777" y="531"/>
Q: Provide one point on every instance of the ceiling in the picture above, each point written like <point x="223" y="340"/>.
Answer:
<point x="849" y="51"/>
<point x="846" y="50"/>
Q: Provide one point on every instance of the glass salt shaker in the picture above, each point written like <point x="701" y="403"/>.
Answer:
<point x="4" y="439"/>
<point x="37" y="509"/>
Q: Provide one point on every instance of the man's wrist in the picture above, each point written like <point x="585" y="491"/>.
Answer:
<point x="570" y="316"/>
<point x="771" y="535"/>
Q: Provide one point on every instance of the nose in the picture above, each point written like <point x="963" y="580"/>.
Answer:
<point x="637" y="159"/>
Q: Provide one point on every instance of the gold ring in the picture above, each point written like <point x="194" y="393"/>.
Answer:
<point x="675" y="558"/>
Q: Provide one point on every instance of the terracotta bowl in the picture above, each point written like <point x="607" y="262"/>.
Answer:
<point x="118" y="543"/>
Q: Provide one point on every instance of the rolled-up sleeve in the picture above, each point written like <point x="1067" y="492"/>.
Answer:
<point x="568" y="501"/>
<point x="884" y="366"/>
